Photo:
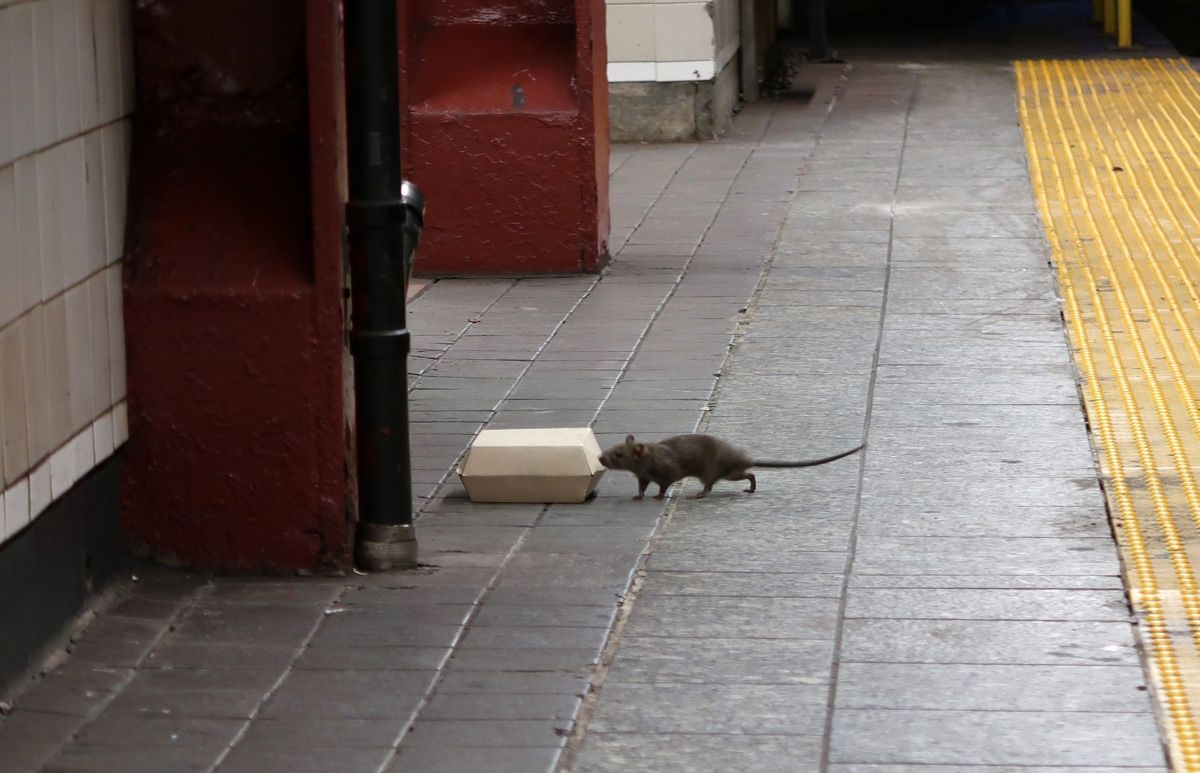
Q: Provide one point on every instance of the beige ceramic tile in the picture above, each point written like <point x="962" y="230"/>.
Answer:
<point x="116" y="331"/>
<point x="11" y="300"/>
<point x="58" y="383"/>
<point x="631" y="33"/>
<point x="108" y="60"/>
<point x="6" y="90"/>
<point x="120" y="424"/>
<point x="72" y="215"/>
<point x="96" y="250"/>
<point x="683" y="32"/>
<point x="114" y="172"/>
<point x="45" y="91"/>
<point x="66" y="66"/>
<point x="18" y="58"/>
<point x="12" y="403"/>
<point x="79" y="358"/>
<point x="89" y="97"/>
<point x="2" y="436"/>
<point x="28" y="238"/>
<point x="101" y="350"/>
<point x="16" y="508"/>
<point x="125" y="49"/>
<point x="50" y="239"/>
<point x="37" y="389"/>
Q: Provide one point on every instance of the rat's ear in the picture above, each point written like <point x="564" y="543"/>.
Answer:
<point x="629" y="440"/>
<point x="639" y="449"/>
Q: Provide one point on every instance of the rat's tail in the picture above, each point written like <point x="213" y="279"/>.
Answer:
<point x="809" y="463"/>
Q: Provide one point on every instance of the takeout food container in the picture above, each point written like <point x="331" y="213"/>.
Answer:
<point x="532" y="465"/>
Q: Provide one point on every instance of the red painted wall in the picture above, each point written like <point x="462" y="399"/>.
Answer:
<point x="506" y="133"/>
<point x="238" y="429"/>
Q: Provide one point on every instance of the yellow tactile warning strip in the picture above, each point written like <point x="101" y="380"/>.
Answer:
<point x="1114" y="155"/>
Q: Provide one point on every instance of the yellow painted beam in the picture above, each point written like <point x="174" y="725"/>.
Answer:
<point x="1124" y="23"/>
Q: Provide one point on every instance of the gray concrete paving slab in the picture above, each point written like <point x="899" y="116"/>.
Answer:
<point x="950" y="686"/>
<point x="925" y="768"/>
<point x="103" y="759"/>
<point x="994" y="737"/>
<point x="988" y="642"/>
<point x="487" y="733"/>
<point x="250" y="759"/>
<point x="700" y="753"/>
<point x="669" y="660"/>
<point x="460" y="759"/>
<point x="714" y="709"/>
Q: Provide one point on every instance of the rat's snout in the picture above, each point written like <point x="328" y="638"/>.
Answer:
<point x="603" y="460"/>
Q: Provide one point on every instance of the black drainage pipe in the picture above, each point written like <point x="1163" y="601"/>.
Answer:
<point x="818" y="34"/>
<point x="377" y="215"/>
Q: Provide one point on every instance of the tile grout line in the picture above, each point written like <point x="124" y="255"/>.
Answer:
<point x="477" y="604"/>
<point x="579" y="732"/>
<point x="839" y="630"/>
<point x="444" y="666"/>
<point x="167" y="627"/>
<point x="582" y="719"/>
<point x="288" y="670"/>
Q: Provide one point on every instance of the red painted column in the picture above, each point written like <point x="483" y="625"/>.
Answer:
<point x="233" y="287"/>
<point x="506" y="133"/>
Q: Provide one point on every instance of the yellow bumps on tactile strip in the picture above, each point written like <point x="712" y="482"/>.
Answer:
<point x="1114" y="158"/>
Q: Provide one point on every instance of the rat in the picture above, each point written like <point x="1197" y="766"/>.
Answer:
<point x="702" y="456"/>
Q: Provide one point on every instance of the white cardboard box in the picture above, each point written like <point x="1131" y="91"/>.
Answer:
<point x="532" y="465"/>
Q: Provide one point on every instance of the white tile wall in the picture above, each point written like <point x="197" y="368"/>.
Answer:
<point x="630" y="30"/>
<point x="89" y="96"/>
<point x="10" y="259"/>
<point x="66" y="92"/>
<point x="114" y="158"/>
<point x="6" y="87"/>
<point x="96" y="227"/>
<point x="72" y="214"/>
<point x="66" y="67"/>
<point x="15" y="440"/>
<point x="18" y="59"/>
<point x="28" y="235"/>
<point x="37" y="389"/>
<point x="670" y="40"/>
<point x="45" y="99"/>
<point x="108" y="59"/>
<point x="683" y="32"/>
<point x="49" y="204"/>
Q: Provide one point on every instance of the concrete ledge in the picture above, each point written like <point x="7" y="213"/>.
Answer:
<point x="52" y="568"/>
<point x="673" y="111"/>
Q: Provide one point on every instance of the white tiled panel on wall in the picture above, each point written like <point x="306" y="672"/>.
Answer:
<point x="669" y="40"/>
<point x="66" y="93"/>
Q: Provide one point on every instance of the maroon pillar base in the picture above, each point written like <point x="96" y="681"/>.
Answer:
<point x="237" y="456"/>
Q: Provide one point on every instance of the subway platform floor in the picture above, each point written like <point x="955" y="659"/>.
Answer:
<point x="860" y="260"/>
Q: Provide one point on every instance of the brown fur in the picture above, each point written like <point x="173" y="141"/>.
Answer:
<point x="698" y="456"/>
